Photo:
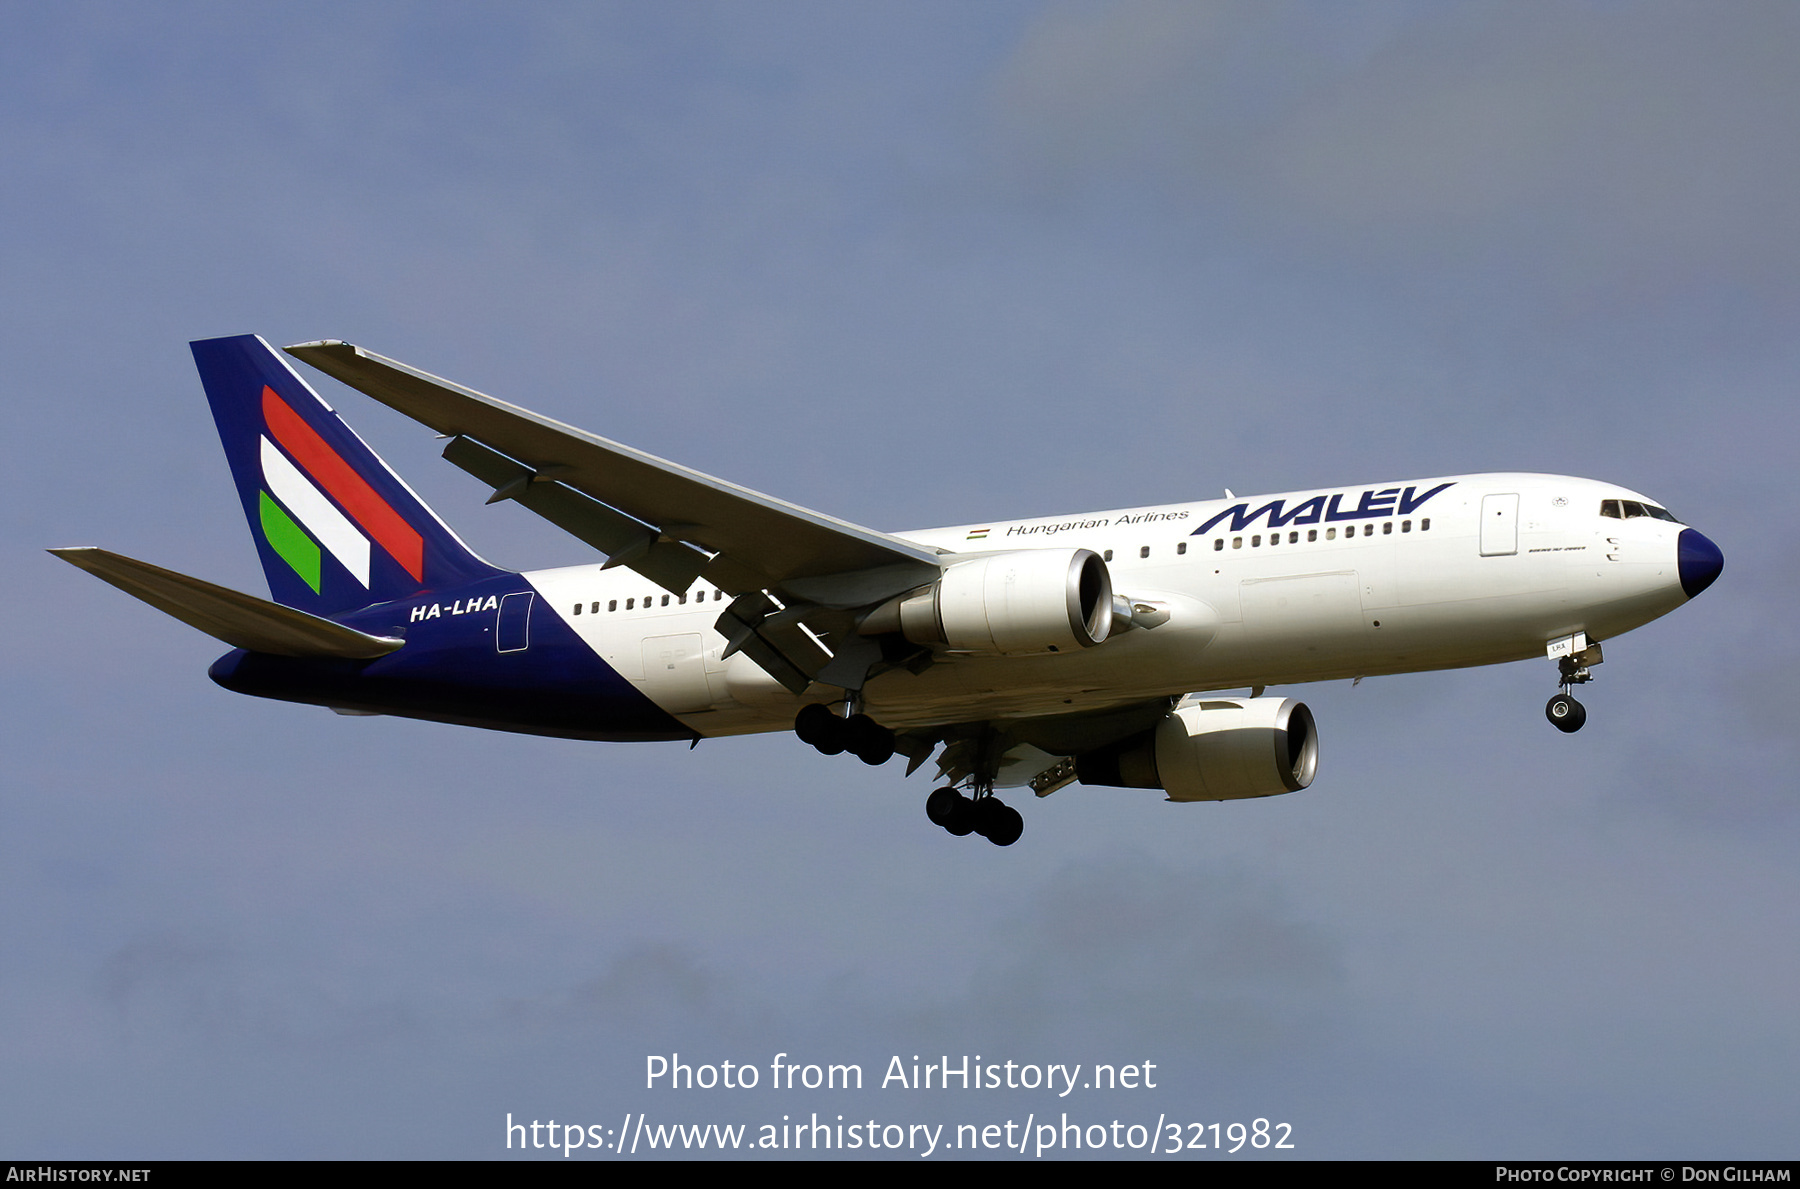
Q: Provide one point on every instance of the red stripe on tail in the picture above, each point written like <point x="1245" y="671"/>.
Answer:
<point x="349" y="489"/>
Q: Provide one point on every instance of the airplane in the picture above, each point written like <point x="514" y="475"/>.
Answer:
<point x="1100" y="648"/>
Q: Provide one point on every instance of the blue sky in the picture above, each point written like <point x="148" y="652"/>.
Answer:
<point x="909" y="265"/>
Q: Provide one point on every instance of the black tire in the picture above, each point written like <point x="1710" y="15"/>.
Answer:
<point x="1565" y="713"/>
<point x="1006" y="830"/>
<point x="813" y="721"/>
<point x="871" y="742"/>
<point x="990" y="817"/>
<point x="941" y="806"/>
<point x="962" y="817"/>
<point x="834" y="738"/>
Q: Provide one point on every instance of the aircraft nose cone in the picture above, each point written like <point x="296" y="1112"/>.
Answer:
<point x="1699" y="561"/>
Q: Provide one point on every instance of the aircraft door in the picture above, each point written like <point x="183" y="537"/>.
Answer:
<point x="1499" y="524"/>
<point x="512" y="624"/>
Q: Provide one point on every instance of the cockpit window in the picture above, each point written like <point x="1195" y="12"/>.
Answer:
<point x="1631" y="509"/>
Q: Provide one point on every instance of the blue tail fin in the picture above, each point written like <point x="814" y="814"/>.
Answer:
<point x="335" y="528"/>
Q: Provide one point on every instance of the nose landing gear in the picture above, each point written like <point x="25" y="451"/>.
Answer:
<point x="1573" y="656"/>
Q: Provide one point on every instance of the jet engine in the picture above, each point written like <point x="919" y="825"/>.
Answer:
<point x="1020" y="603"/>
<point x="1214" y="749"/>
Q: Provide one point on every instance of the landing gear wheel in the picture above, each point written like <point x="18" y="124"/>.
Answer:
<point x="1004" y="825"/>
<point x="868" y="740"/>
<point x="835" y="738"/>
<point x="1565" y="713"/>
<point x="962" y="817"/>
<point x="813" y="722"/>
<point x="998" y="822"/>
<point x="942" y="806"/>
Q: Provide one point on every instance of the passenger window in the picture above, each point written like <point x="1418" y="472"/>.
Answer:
<point x="680" y="598"/>
<point x="630" y="603"/>
<point x="1180" y="548"/>
<point x="1294" y="537"/>
<point x="1425" y="525"/>
<point x="1312" y="534"/>
<point x="1274" y="538"/>
<point x="578" y="608"/>
<point x="1331" y="534"/>
<point x="1387" y="527"/>
<point x="1256" y="540"/>
<point x="612" y="604"/>
<point x="1406" y="526"/>
<point x="1107" y="556"/>
<point x="1218" y="544"/>
<point x="665" y="601"/>
<point x="1237" y="542"/>
<point x="1144" y="552"/>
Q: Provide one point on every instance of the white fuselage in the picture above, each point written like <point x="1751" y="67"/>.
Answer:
<point x="1393" y="578"/>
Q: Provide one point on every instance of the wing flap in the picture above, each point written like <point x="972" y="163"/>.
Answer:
<point x="241" y="620"/>
<point x="755" y="541"/>
<point x="625" y="540"/>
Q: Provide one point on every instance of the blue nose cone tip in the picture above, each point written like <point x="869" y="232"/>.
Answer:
<point x="1699" y="561"/>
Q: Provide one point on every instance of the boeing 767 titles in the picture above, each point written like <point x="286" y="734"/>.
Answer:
<point x="1028" y="653"/>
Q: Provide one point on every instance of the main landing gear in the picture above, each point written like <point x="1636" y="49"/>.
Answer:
<point x="859" y="734"/>
<point x="985" y="815"/>
<point x="1564" y="712"/>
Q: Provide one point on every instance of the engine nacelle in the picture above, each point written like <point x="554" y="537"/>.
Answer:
<point x="1021" y="603"/>
<point x="1214" y="749"/>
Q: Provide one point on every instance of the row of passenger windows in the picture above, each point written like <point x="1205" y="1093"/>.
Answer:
<point x="1630" y="509"/>
<point x="1180" y="548"/>
<point x="649" y="601"/>
<point x="1312" y="534"/>
<point x="1293" y="537"/>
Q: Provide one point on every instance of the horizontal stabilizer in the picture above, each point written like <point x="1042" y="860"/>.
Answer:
<point x="241" y="620"/>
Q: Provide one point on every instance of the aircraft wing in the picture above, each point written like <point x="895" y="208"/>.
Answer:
<point x="667" y="522"/>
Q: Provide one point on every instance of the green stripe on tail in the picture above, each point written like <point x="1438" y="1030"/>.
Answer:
<point x="289" y="540"/>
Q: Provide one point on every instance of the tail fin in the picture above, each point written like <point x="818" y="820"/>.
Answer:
<point x="335" y="527"/>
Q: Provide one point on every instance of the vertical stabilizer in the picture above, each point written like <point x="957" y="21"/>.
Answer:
<point x="335" y="527"/>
